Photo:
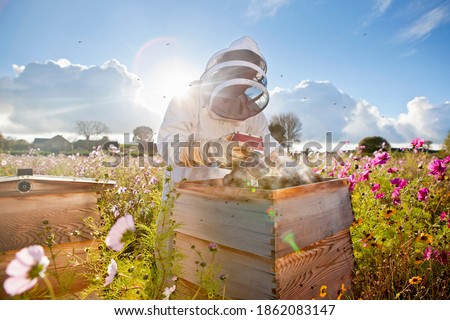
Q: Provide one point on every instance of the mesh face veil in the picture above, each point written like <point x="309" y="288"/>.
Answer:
<point x="234" y="84"/>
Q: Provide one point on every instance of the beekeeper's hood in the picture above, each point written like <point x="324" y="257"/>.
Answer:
<point x="234" y="84"/>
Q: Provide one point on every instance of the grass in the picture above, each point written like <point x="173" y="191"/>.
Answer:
<point x="400" y="235"/>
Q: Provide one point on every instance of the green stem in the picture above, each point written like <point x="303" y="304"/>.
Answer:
<point x="223" y="292"/>
<point x="196" y="293"/>
<point x="49" y="287"/>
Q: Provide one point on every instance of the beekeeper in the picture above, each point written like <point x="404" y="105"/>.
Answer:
<point x="229" y="97"/>
<point x="194" y="135"/>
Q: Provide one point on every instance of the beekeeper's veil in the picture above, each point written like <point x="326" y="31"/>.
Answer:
<point x="234" y="84"/>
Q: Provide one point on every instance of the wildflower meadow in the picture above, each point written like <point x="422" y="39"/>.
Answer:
<point x="400" y="233"/>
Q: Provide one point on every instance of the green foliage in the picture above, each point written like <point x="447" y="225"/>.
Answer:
<point x="287" y="126"/>
<point x="212" y="284"/>
<point x="145" y="264"/>
<point x="374" y="143"/>
<point x="401" y="246"/>
<point x="401" y="242"/>
<point x="446" y="144"/>
<point x="278" y="132"/>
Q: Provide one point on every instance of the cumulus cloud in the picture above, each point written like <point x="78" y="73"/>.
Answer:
<point x="258" y="9"/>
<point x="50" y="97"/>
<point x="324" y="108"/>
<point x="425" y="118"/>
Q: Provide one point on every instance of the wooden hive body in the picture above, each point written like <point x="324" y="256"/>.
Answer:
<point x="62" y="202"/>
<point x="258" y="233"/>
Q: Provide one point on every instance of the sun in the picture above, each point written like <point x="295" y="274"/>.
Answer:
<point x="172" y="78"/>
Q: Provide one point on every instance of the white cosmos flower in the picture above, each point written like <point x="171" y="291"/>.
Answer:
<point x="168" y="291"/>
<point x="124" y="224"/>
<point x="28" y="265"/>
<point x="112" y="270"/>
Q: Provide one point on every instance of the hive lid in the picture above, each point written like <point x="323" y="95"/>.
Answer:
<point x="215" y="188"/>
<point x="56" y="179"/>
<point x="39" y="184"/>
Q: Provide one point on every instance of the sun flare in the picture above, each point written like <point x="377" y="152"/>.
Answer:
<point x="171" y="78"/>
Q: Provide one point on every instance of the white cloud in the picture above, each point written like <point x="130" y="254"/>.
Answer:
<point x="432" y="122"/>
<point x="323" y="108"/>
<point x="258" y="9"/>
<point x="423" y="26"/>
<point x="381" y="6"/>
<point x="409" y="53"/>
<point x="18" y="69"/>
<point x="50" y="97"/>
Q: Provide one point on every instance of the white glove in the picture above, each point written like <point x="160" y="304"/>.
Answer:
<point x="214" y="152"/>
<point x="295" y="172"/>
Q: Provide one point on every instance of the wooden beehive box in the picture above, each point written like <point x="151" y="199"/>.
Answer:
<point x="30" y="204"/>
<point x="258" y="233"/>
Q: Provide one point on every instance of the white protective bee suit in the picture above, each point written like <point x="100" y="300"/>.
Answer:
<point x="229" y="97"/>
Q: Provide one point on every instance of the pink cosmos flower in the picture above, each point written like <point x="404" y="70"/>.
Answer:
<point x="112" y="270"/>
<point x="115" y="238"/>
<point x="344" y="171"/>
<point x="437" y="168"/>
<point x="364" y="175"/>
<point x="375" y="187"/>
<point x="352" y="182"/>
<point x="417" y="143"/>
<point x="441" y="256"/>
<point x="116" y="211"/>
<point x="213" y="247"/>
<point x="380" y="195"/>
<point x="443" y="216"/>
<point x="121" y="190"/>
<point x="427" y="253"/>
<point x="392" y="170"/>
<point x="396" y="196"/>
<point x="422" y="194"/>
<point x="29" y="264"/>
<point x="401" y="183"/>
<point x="380" y="158"/>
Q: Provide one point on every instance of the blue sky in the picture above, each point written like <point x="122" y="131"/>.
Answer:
<point x="356" y="68"/>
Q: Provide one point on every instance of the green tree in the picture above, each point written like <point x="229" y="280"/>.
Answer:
<point x="292" y="126"/>
<point x="446" y="144"/>
<point x="143" y="134"/>
<point x="21" y="145"/>
<point x="277" y="132"/>
<point x="91" y="128"/>
<point x="373" y="144"/>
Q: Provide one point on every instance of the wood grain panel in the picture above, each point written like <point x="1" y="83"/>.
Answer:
<point x="328" y="262"/>
<point x="71" y="273"/>
<point x="51" y="185"/>
<point x="311" y="217"/>
<point x="243" y="225"/>
<point x="21" y="218"/>
<point x="248" y="276"/>
<point x="314" y="218"/>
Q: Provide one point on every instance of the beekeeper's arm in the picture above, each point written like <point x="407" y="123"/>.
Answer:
<point x="177" y="126"/>
<point x="176" y="138"/>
